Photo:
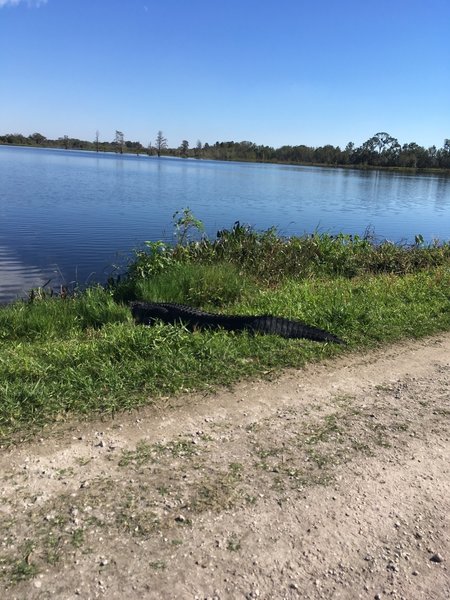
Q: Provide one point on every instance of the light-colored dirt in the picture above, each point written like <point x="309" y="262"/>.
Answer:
<point x="328" y="482"/>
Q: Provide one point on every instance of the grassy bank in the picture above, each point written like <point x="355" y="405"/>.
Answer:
<point x="83" y="354"/>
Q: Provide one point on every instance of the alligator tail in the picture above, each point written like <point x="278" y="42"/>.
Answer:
<point x="291" y="329"/>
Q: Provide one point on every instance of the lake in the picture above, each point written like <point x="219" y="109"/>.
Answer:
<point x="75" y="216"/>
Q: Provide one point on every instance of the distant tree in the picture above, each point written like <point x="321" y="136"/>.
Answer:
<point x="444" y="155"/>
<point x="15" y="138"/>
<point x="265" y="153"/>
<point x="381" y="149"/>
<point x="305" y="154"/>
<point x="136" y="146"/>
<point x="37" y="138"/>
<point x="383" y="141"/>
<point x="414" y="156"/>
<point x="198" y="149"/>
<point x="76" y="143"/>
<point x="119" y="141"/>
<point x="184" y="148"/>
<point x="347" y="155"/>
<point x="97" y="133"/>
<point x="160" y="143"/>
<point x="284" y="153"/>
<point x="433" y="156"/>
<point x="327" y="154"/>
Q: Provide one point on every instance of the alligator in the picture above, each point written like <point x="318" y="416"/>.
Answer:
<point x="147" y="313"/>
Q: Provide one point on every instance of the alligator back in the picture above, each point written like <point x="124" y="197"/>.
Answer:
<point x="170" y="312"/>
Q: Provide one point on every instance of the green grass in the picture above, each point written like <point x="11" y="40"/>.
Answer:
<point x="84" y="355"/>
<point x="190" y="283"/>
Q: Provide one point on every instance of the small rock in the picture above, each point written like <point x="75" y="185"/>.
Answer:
<point x="437" y="558"/>
<point x="180" y="519"/>
<point x="391" y="566"/>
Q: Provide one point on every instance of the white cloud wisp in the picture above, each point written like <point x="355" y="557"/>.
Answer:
<point x="31" y="3"/>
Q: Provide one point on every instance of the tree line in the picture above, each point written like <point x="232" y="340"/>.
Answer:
<point x="381" y="150"/>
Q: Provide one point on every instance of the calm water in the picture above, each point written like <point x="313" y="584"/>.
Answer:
<point x="75" y="215"/>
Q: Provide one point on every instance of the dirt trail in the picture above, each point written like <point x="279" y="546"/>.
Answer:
<point x="330" y="482"/>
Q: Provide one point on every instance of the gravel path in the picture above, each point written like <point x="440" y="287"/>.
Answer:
<point x="328" y="482"/>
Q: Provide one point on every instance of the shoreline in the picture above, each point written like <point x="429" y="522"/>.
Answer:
<point x="144" y="154"/>
<point x="97" y="359"/>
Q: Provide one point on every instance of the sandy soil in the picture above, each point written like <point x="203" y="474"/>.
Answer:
<point x="328" y="482"/>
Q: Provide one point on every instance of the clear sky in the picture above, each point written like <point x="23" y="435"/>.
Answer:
<point x="270" y="71"/>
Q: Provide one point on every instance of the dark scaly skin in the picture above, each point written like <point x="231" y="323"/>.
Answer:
<point x="148" y="312"/>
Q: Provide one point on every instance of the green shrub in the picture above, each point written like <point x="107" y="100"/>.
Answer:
<point x="271" y="258"/>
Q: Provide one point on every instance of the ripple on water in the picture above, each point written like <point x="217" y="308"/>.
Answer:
<point x="15" y="275"/>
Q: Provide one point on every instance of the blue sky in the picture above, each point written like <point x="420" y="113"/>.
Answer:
<point x="270" y="71"/>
